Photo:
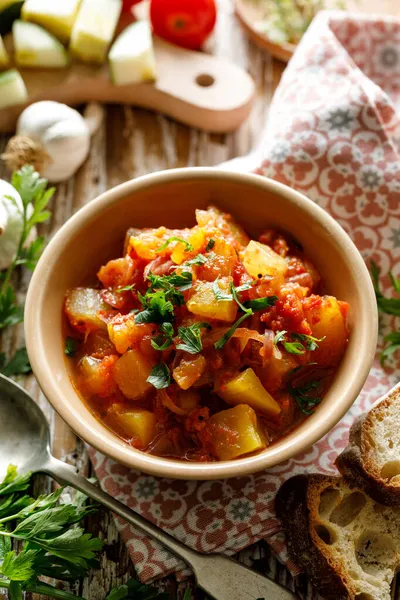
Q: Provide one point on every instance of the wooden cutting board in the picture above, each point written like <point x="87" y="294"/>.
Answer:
<point x="192" y="87"/>
<point x="251" y="13"/>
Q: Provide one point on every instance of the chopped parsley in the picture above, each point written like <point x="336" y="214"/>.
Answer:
<point x="191" y="338"/>
<point x="163" y="294"/>
<point x="71" y="347"/>
<point x="302" y="342"/>
<point x="305" y="401"/>
<point x="210" y="245"/>
<point x="227" y="336"/>
<point x="188" y="246"/>
<point x="165" y="338"/>
<point x="248" y="307"/>
<point x="220" y="294"/>
<point x="157" y="308"/>
<point x="261" y="303"/>
<point x="198" y="260"/>
<point x="126" y="288"/>
<point x="160" y="376"/>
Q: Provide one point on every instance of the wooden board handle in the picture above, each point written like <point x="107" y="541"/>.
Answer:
<point x="197" y="89"/>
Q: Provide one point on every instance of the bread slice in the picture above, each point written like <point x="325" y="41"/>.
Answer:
<point x="348" y="544"/>
<point x="372" y="458"/>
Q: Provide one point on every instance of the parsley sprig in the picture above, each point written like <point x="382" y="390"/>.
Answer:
<point x="160" y="376"/>
<point x="51" y="542"/>
<point x="305" y="396"/>
<point x="389" y="306"/>
<point x="174" y="238"/>
<point x="35" y="197"/>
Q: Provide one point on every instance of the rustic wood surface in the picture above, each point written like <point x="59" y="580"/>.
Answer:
<point x="133" y="142"/>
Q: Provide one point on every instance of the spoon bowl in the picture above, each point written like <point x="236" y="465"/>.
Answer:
<point x="25" y="443"/>
<point x="25" y="436"/>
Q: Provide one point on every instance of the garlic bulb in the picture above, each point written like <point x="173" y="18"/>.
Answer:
<point x="11" y="223"/>
<point x="54" y="138"/>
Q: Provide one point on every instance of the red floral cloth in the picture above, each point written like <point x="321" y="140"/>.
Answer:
<point x="333" y="134"/>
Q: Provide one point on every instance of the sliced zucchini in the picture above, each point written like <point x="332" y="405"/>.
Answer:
<point x="12" y="89"/>
<point x="36" y="47"/>
<point x="57" y="16"/>
<point x="132" y="55"/>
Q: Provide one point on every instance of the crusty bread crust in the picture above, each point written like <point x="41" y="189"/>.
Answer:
<point x="358" y="462"/>
<point x="297" y="505"/>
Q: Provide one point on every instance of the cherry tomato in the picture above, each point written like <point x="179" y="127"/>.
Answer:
<point x="187" y="23"/>
<point x="127" y="5"/>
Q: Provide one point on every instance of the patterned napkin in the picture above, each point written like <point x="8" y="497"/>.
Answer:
<point x="333" y="133"/>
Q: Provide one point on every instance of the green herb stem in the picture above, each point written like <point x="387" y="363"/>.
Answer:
<point x="44" y="589"/>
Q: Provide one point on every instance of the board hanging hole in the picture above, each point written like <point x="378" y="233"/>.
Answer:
<point x="205" y="80"/>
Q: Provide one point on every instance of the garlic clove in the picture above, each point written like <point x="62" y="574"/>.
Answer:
<point x="68" y="146"/>
<point x="11" y="217"/>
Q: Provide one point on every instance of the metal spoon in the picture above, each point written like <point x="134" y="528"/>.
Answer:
<point x="25" y="442"/>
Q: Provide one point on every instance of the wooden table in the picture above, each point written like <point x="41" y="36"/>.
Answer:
<point x="133" y="142"/>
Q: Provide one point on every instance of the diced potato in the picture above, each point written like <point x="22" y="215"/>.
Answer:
<point x="117" y="273"/>
<point x="137" y="423"/>
<point x="189" y="371"/>
<point x="98" y="375"/>
<point x="83" y="306"/>
<point x="231" y="230"/>
<point x="189" y="399"/>
<point x="246" y="388"/>
<point x="236" y="431"/>
<point x="125" y="333"/>
<point x="203" y="302"/>
<point x="326" y="320"/>
<point x="260" y="259"/>
<point x="131" y="372"/>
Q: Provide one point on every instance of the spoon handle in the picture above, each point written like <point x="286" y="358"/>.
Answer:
<point x="221" y="577"/>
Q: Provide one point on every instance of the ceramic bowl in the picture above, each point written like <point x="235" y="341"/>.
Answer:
<point x="96" y="233"/>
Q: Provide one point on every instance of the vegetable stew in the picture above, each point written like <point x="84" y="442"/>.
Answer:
<point x="203" y="344"/>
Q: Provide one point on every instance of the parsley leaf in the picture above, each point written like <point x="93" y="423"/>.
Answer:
<point x="198" y="260"/>
<point x="134" y="590"/>
<point x="160" y="376"/>
<point x="394" y="344"/>
<point x="188" y="246"/>
<point x="297" y="347"/>
<point x="191" y="338"/>
<point x="305" y="401"/>
<point x="13" y="482"/>
<point x="18" y="365"/>
<point x="310" y="341"/>
<point x="71" y="347"/>
<point x="227" y="336"/>
<point x="19" y="567"/>
<point x="390" y="306"/>
<point x="10" y="312"/>
<point x="261" y="303"/>
<point x="165" y="339"/>
<point x="126" y="288"/>
<point x="210" y="245"/>
<point x="220" y="294"/>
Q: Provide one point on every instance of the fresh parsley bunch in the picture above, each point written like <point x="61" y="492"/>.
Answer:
<point x="35" y="198"/>
<point x="51" y="542"/>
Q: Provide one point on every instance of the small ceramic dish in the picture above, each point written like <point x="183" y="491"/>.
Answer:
<point x="96" y="233"/>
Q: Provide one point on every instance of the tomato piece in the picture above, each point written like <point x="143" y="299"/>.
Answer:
<point x="187" y="23"/>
